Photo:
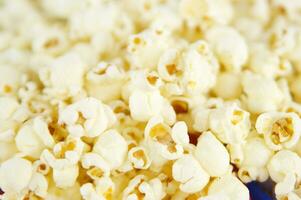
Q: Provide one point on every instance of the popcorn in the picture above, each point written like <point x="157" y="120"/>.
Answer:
<point x="33" y="137"/>
<point x="53" y="76"/>
<point x="39" y="185"/>
<point x="65" y="154"/>
<point x="265" y="62"/>
<point x="252" y="166"/>
<point x="236" y="153"/>
<point x="87" y="117"/>
<point x="193" y="11"/>
<point x="96" y="165"/>
<point x="102" y="189"/>
<point x="112" y="147"/>
<point x="190" y="174"/>
<point x="105" y="81"/>
<point x="282" y="164"/>
<point x="145" y="48"/>
<point x="139" y="158"/>
<point x="230" y="123"/>
<point x="230" y="187"/>
<point x="51" y="41"/>
<point x="9" y="79"/>
<point x="163" y="142"/>
<point x="65" y="177"/>
<point x="144" y="105"/>
<point x="149" y="99"/>
<point x="9" y="106"/>
<point x="212" y="155"/>
<point x="140" y="187"/>
<point x="15" y="175"/>
<point x="199" y="68"/>
<point x="280" y="130"/>
<point x="228" y="85"/>
<point x="262" y="97"/>
<point x="229" y="46"/>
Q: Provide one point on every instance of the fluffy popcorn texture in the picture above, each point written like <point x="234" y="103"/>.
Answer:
<point x="15" y="175"/>
<point x="149" y="99"/>
<point x="87" y="117"/>
<point x="230" y="123"/>
<point x="212" y="155"/>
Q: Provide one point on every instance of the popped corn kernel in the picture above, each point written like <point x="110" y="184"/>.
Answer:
<point x="15" y="175"/>
<point x="87" y="117"/>
<point x="280" y="130"/>
<point x="212" y="155"/>
<point x="230" y="123"/>
<point x="112" y="147"/>
<point x="190" y="174"/>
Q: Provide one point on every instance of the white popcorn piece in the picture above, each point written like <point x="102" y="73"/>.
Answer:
<point x="9" y="79"/>
<point x="140" y="187"/>
<point x="41" y="167"/>
<point x="15" y="175"/>
<point x="253" y="167"/>
<point x="112" y="147"/>
<point x="102" y="190"/>
<point x="212" y="155"/>
<point x="96" y="165"/>
<point x="206" y="11"/>
<point x="230" y="123"/>
<point x="51" y="41"/>
<point x="265" y="62"/>
<point x="190" y="174"/>
<point x="263" y="96"/>
<point x="59" y="9"/>
<point x="228" y="85"/>
<point x="145" y="48"/>
<point x="164" y="141"/>
<point x="167" y="65"/>
<point x="141" y="80"/>
<point x="286" y="186"/>
<point x="53" y="76"/>
<point x="249" y="173"/>
<point x="7" y="150"/>
<point x="65" y="177"/>
<point x="87" y="117"/>
<point x="201" y="118"/>
<point x="38" y="185"/>
<point x="144" y="105"/>
<point x="283" y="163"/>
<point x="8" y="105"/>
<point x="236" y="153"/>
<point x="229" y="46"/>
<point x="281" y="37"/>
<point x="280" y="130"/>
<point x="229" y="186"/>
<point x="215" y="197"/>
<point x="139" y="158"/>
<point x="295" y="88"/>
<point x="105" y="82"/>
<point x="88" y="192"/>
<point x="33" y="137"/>
<point x="199" y="68"/>
<point x="65" y="154"/>
<point x="254" y="147"/>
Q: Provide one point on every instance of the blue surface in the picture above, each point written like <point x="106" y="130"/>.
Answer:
<point x="257" y="193"/>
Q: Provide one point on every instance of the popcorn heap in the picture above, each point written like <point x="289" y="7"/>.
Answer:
<point x="149" y="99"/>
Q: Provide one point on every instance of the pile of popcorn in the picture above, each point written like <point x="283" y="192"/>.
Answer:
<point x="149" y="99"/>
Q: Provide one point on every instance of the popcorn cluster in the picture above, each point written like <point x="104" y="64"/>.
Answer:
<point x="149" y="99"/>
